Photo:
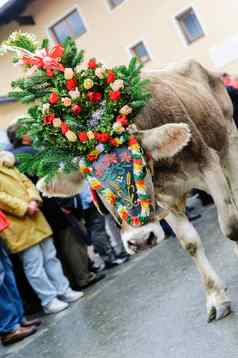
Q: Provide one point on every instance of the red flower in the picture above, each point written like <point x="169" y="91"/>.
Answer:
<point x="111" y="76"/>
<point x="94" y="96"/>
<point x="122" y="119"/>
<point x="92" y="63"/>
<point x="113" y="142"/>
<point x="56" y="51"/>
<point x="138" y="161"/>
<point x="97" y="97"/>
<point x="91" y="96"/>
<point x="64" y="128"/>
<point x="71" y="84"/>
<point x="50" y="73"/>
<point x="103" y="137"/>
<point x="125" y="216"/>
<point x="76" y="109"/>
<point x="132" y="140"/>
<point x="83" y="137"/>
<point x="91" y="157"/>
<point x="53" y="99"/>
<point x="49" y="119"/>
<point x="114" y="95"/>
<point x="135" y="220"/>
<point x="87" y="170"/>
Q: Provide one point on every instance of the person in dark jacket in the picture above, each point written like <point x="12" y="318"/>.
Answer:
<point x="71" y="243"/>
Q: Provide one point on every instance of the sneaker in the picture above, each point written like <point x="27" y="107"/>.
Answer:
<point x="98" y="268"/>
<point x="71" y="296"/>
<point x="55" y="306"/>
<point x="116" y="262"/>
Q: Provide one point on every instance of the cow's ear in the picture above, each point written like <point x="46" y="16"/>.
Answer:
<point x="62" y="185"/>
<point x="165" y="141"/>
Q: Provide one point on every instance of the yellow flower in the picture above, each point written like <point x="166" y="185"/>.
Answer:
<point x="95" y="183"/>
<point x="57" y="122"/>
<point x="125" y="110"/>
<point x="66" y="101"/>
<point x="71" y="136"/>
<point x="68" y="73"/>
<point x="90" y="135"/>
<point x="88" y="83"/>
<point x="116" y="85"/>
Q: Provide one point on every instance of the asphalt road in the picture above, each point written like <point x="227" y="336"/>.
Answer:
<point x="151" y="307"/>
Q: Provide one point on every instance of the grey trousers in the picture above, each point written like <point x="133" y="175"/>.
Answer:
<point x="44" y="271"/>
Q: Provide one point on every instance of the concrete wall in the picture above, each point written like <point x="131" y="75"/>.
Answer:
<point x="110" y="33"/>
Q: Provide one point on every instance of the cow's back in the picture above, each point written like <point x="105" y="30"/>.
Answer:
<point x="190" y="94"/>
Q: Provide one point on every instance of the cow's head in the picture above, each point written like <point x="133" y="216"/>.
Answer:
<point x="160" y="142"/>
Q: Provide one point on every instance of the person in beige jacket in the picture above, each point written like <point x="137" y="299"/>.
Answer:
<point x="30" y="236"/>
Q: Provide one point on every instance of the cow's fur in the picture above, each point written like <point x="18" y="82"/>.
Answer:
<point x="191" y="95"/>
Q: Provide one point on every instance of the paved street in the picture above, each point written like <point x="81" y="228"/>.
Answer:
<point x="152" y="307"/>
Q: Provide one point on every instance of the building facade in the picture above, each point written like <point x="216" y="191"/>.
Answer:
<point x="158" y="32"/>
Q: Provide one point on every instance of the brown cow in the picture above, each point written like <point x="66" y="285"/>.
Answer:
<point x="188" y="129"/>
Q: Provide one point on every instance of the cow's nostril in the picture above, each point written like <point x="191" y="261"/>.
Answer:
<point x="151" y="239"/>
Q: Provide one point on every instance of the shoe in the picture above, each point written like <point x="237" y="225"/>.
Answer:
<point x="98" y="268"/>
<point x="124" y="257"/>
<point x="71" y="296"/>
<point x="98" y="264"/>
<point x="116" y="262"/>
<point x="93" y="278"/>
<point x="18" y="335"/>
<point x="33" y="322"/>
<point x="55" y="306"/>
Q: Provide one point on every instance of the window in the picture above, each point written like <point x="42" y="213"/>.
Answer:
<point x="140" y="51"/>
<point x="71" y="25"/>
<point x="190" y="25"/>
<point x="115" y="3"/>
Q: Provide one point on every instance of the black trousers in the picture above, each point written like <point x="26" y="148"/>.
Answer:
<point x="95" y="224"/>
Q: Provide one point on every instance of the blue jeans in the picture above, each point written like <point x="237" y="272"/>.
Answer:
<point x="11" y="309"/>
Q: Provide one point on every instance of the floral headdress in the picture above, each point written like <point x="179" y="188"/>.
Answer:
<point x="79" y="110"/>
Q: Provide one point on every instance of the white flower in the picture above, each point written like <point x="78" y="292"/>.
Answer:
<point x="90" y="135"/>
<point x="66" y="101"/>
<point x="45" y="108"/>
<point x="125" y="110"/>
<point x="68" y="73"/>
<point x="31" y="71"/>
<point x="75" y="93"/>
<point x="78" y="68"/>
<point x="116" y="85"/>
<point x="99" y="72"/>
<point x="57" y="122"/>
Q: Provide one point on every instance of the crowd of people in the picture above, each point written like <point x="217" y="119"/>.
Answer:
<point x="58" y="247"/>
